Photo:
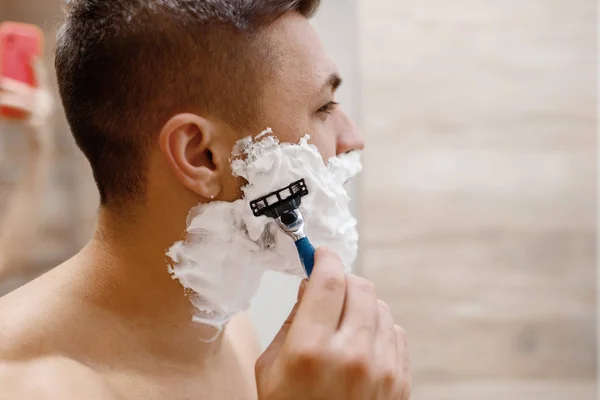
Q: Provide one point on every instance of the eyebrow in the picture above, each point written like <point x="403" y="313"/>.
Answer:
<point x="334" y="81"/>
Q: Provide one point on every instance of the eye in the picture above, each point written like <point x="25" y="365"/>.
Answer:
<point x="328" y="108"/>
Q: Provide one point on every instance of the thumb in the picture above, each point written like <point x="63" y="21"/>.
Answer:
<point x="271" y="352"/>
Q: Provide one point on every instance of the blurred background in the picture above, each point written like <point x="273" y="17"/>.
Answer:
<point x="477" y="205"/>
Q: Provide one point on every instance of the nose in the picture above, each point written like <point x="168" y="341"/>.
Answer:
<point x="349" y="136"/>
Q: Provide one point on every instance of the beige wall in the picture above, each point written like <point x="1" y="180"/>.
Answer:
<point x="478" y="196"/>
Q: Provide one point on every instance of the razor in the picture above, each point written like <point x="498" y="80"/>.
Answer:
<point x="283" y="206"/>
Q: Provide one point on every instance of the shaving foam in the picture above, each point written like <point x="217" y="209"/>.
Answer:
<point x="227" y="249"/>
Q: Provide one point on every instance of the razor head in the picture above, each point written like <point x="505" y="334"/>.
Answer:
<point x="279" y="202"/>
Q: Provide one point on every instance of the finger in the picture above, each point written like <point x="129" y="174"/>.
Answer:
<point x="17" y="101"/>
<point x="15" y="86"/>
<point x="360" y="317"/>
<point x="42" y="106"/>
<point x="402" y="364"/>
<point x="387" y="342"/>
<point x="321" y="308"/>
<point x="386" y="350"/>
<point x="39" y="69"/>
<point x="301" y="290"/>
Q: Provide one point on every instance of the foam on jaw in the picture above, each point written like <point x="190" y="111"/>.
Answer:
<point x="227" y="249"/>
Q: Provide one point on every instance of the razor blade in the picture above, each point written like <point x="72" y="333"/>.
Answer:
<point x="281" y="201"/>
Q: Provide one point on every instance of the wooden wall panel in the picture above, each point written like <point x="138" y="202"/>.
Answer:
<point x="477" y="200"/>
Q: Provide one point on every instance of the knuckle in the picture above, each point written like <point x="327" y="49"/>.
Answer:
<point x="260" y="366"/>
<point x="334" y="283"/>
<point x="401" y="333"/>
<point x="307" y="358"/>
<point x="363" y="285"/>
<point x="388" y="379"/>
<point x="357" y="366"/>
<point x="384" y="307"/>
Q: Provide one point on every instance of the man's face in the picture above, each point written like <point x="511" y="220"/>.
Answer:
<point x="227" y="248"/>
<point x="300" y="98"/>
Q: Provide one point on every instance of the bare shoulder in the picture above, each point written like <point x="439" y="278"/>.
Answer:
<point x="27" y="322"/>
<point x="41" y="318"/>
<point x="241" y="328"/>
<point x="52" y="378"/>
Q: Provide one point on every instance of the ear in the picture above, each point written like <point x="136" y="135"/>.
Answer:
<point x="188" y="143"/>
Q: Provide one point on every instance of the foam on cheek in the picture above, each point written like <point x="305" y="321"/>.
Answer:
<point x="227" y="248"/>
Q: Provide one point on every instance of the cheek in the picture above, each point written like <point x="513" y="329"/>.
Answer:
<point x="322" y="133"/>
<point x="231" y="188"/>
<point x="325" y="135"/>
<point x="290" y="130"/>
<point x="325" y="141"/>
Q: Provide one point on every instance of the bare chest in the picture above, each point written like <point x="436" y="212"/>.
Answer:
<point x="228" y="381"/>
<point x="227" y="374"/>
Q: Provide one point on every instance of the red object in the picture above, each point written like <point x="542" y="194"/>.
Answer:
<point x="19" y="45"/>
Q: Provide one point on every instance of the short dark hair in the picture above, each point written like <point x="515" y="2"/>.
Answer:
<point x="125" y="66"/>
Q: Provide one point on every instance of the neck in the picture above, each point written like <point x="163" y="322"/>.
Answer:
<point x="128" y="276"/>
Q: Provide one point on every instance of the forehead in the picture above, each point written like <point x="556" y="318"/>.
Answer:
<point x="298" y="53"/>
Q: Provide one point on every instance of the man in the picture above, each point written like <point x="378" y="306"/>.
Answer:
<point x="157" y="93"/>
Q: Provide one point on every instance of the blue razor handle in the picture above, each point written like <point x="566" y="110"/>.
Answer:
<point x="292" y="223"/>
<point x="306" y="251"/>
<point x="283" y="205"/>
